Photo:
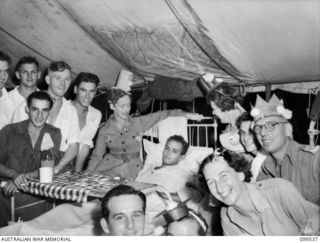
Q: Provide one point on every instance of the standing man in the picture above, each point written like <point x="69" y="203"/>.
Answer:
<point x="123" y="212"/>
<point x="5" y="62"/>
<point x="85" y="87"/>
<point x="27" y="71"/>
<point x="63" y="114"/>
<point x="20" y="146"/>
<point x="286" y="158"/>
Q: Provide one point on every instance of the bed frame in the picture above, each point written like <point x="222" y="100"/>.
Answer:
<point x="203" y="133"/>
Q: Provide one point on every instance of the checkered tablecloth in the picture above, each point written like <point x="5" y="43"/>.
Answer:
<point x="78" y="186"/>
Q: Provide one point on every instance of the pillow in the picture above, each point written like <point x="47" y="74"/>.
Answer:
<point x="194" y="157"/>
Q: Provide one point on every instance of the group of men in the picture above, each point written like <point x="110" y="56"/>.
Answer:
<point x="27" y="114"/>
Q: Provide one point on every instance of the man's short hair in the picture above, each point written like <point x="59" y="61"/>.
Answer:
<point x="5" y="57"/>
<point x="39" y="95"/>
<point x="26" y="60"/>
<point x="58" y="66"/>
<point x="119" y="191"/>
<point x="244" y="117"/>
<point x="181" y="140"/>
<point x="86" y="77"/>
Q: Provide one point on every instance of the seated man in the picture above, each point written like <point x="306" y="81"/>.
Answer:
<point x="20" y="152"/>
<point x="123" y="212"/>
<point x="248" y="140"/>
<point x="286" y="158"/>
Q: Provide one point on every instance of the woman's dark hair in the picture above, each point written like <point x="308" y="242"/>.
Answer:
<point x="235" y="161"/>
<point x="244" y="117"/>
<point x="225" y="97"/>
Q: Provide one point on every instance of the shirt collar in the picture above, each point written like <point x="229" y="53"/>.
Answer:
<point x="292" y="150"/>
<point x="4" y="93"/>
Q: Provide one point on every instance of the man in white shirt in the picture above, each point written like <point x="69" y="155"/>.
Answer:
<point x="85" y="87"/>
<point x="63" y="115"/>
<point x="5" y="62"/>
<point x="27" y="71"/>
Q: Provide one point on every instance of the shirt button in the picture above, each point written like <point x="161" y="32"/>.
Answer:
<point x="121" y="133"/>
<point x="122" y="142"/>
<point x="124" y="150"/>
<point x="137" y="165"/>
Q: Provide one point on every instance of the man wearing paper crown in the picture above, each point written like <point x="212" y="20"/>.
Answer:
<point x="286" y="158"/>
<point x="20" y="157"/>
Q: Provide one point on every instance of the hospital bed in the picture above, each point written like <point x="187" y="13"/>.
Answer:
<point x="83" y="217"/>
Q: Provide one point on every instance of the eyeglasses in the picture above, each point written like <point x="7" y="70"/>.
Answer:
<point x="269" y="126"/>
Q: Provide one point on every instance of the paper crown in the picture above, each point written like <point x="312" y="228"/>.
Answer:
<point x="208" y="83"/>
<point x="274" y="107"/>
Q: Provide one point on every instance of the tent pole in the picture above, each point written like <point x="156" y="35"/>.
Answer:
<point x="164" y="105"/>
<point x="268" y="92"/>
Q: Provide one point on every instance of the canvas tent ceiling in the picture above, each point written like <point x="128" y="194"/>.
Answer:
<point x="245" y="41"/>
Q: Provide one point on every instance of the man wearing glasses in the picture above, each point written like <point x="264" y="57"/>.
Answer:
<point x="286" y="158"/>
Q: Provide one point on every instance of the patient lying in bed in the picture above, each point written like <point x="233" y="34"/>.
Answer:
<point x="171" y="169"/>
<point x="170" y="166"/>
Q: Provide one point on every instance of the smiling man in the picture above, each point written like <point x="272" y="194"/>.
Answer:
<point x="123" y="212"/>
<point x="85" y="87"/>
<point x="20" y="146"/>
<point x="28" y="73"/>
<point x="286" y="159"/>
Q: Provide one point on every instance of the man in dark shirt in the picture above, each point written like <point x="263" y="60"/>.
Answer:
<point x="20" y="146"/>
